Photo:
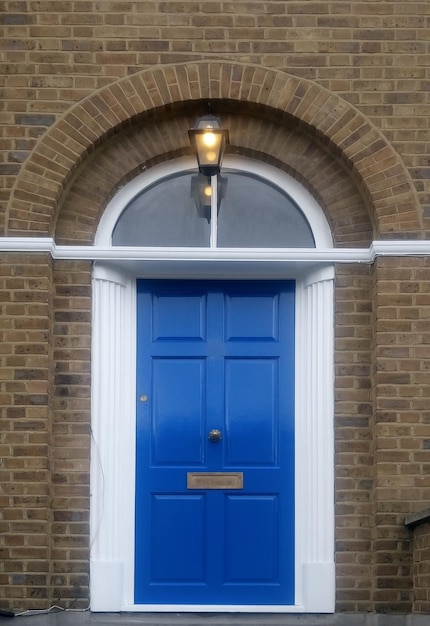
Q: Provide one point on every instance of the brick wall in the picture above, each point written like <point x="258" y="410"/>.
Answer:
<point x="44" y="439"/>
<point x="26" y="429"/>
<point x="401" y="418"/>
<point x="71" y="431"/>
<point x="422" y="569"/>
<point x="353" y="439"/>
<point x="371" y="56"/>
<point x="420" y="531"/>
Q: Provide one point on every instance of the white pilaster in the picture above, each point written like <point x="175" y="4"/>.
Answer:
<point x="112" y="458"/>
<point x="314" y="442"/>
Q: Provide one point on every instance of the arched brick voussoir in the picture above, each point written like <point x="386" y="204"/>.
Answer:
<point x="375" y="166"/>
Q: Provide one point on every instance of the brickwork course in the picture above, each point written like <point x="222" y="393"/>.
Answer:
<point x="337" y="94"/>
<point x="421" y="569"/>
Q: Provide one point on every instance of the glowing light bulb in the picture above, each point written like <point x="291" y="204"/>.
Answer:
<point x="209" y="139"/>
<point x="208" y="191"/>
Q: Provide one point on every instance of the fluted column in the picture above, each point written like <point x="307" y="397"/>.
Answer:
<point x="111" y="462"/>
<point x="314" y="437"/>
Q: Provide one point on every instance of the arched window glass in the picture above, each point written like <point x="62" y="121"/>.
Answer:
<point x="163" y="215"/>
<point x="235" y="210"/>
<point x="254" y="213"/>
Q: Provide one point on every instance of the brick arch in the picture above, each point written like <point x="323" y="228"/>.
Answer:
<point x="253" y="135"/>
<point x="375" y="166"/>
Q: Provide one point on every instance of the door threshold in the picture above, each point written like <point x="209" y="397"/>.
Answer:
<point x="214" y="609"/>
<point x="74" y="618"/>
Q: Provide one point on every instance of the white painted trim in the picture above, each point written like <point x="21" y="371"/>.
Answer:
<point x="125" y="255"/>
<point x="107" y="584"/>
<point x="212" y="608"/>
<point x="314" y="441"/>
<point x="113" y="437"/>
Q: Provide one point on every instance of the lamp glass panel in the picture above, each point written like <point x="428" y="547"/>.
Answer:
<point x="163" y="215"/>
<point x="208" y="151"/>
<point x="256" y="214"/>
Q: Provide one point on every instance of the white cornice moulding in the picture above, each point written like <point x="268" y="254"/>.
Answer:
<point x="399" y="248"/>
<point x="309" y="255"/>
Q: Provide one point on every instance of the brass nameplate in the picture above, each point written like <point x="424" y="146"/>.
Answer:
<point x="214" y="480"/>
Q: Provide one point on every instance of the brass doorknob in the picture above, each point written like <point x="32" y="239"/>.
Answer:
<point x="215" y="435"/>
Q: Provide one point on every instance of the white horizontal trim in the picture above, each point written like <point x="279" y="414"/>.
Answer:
<point x="305" y="255"/>
<point x="212" y="608"/>
<point x="399" y="248"/>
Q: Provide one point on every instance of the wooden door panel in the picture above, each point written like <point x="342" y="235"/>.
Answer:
<point x="178" y="415"/>
<point x="251" y="411"/>
<point x="178" y="539"/>
<point x="182" y="317"/>
<point x="251" y="549"/>
<point x="251" y="317"/>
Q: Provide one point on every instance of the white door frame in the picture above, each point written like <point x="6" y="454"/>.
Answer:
<point x="114" y="393"/>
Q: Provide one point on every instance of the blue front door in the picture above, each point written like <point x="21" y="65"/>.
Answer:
<point x="215" y="443"/>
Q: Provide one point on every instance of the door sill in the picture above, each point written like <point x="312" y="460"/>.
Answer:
<point x="212" y="608"/>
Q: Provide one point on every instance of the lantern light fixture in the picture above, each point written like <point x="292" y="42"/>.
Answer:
<point x="209" y="141"/>
<point x="202" y="191"/>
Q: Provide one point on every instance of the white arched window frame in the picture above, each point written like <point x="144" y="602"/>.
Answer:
<point x="293" y="188"/>
<point x="113" y="397"/>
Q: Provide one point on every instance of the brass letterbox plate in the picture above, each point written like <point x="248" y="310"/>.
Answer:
<point x="214" y="480"/>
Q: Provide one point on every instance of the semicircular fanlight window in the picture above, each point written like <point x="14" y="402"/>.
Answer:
<point x="251" y="213"/>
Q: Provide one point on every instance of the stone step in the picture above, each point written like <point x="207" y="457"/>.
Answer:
<point x="85" y="618"/>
